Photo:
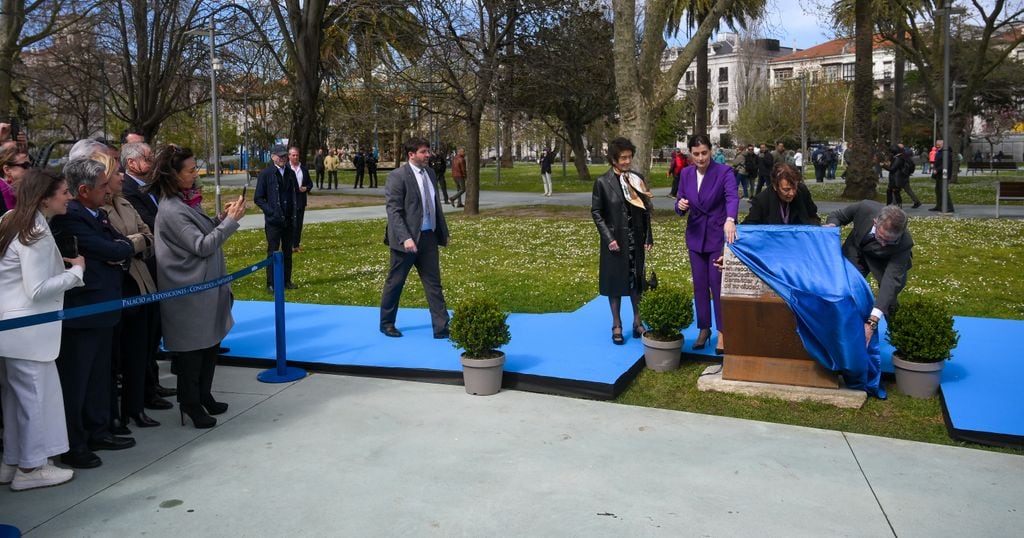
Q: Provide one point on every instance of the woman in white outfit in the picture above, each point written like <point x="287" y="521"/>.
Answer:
<point x="33" y="279"/>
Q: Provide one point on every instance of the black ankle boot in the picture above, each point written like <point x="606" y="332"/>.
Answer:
<point x="199" y="417"/>
<point x="214" y="407"/>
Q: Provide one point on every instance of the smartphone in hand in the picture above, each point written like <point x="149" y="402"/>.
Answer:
<point x="244" y="188"/>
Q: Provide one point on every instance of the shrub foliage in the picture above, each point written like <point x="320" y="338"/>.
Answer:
<point x="479" y="327"/>
<point x="666" y="311"/>
<point x="921" y="329"/>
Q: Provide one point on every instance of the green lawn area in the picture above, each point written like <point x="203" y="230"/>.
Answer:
<point x="546" y="261"/>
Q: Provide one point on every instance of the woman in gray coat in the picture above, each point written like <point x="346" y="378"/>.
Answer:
<point x="188" y="251"/>
<point x="621" y="208"/>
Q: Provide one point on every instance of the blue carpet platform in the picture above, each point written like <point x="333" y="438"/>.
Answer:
<point x="568" y="353"/>
<point x="572" y="354"/>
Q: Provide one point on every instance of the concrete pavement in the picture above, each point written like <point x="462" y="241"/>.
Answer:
<point x="333" y="455"/>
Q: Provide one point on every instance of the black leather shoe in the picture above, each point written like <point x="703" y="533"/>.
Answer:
<point x="119" y="429"/>
<point x="143" y="421"/>
<point x="290" y="286"/>
<point x="164" y="392"/>
<point x="81" y="460"/>
<point x="391" y="331"/>
<point x="156" y="402"/>
<point x="916" y="205"/>
<point x="220" y="351"/>
<point x="112" y="442"/>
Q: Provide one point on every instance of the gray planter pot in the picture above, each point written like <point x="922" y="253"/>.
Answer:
<point x="662" y="356"/>
<point x="482" y="377"/>
<point x="917" y="379"/>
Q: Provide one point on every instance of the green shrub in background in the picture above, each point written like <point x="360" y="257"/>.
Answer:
<point x="479" y="327"/>
<point x="921" y="329"/>
<point x="666" y="311"/>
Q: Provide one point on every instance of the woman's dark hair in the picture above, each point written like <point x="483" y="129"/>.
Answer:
<point x="7" y="156"/>
<point x="786" y="171"/>
<point x="619" y="146"/>
<point x="167" y="164"/>
<point x="36" y="186"/>
<point x="698" y="140"/>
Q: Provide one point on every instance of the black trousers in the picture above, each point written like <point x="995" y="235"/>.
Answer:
<point x="444" y="187"/>
<point x="332" y="179"/>
<point x="428" y="264"/>
<point x="195" y="375"/>
<point x="319" y="179"/>
<point x="938" y="195"/>
<point x="359" y="179"/>
<point x="279" y="238"/>
<point x="300" y="215"/>
<point x="135" y="350"/>
<point x="373" y="178"/>
<point x="84" y="368"/>
<point x="761" y="182"/>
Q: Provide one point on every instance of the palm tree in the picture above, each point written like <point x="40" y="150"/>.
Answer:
<point x="694" y="12"/>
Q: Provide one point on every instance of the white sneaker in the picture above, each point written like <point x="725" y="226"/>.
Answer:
<point x="7" y="473"/>
<point x="45" y="476"/>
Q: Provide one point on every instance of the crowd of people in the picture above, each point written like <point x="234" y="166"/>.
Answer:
<point x="114" y="224"/>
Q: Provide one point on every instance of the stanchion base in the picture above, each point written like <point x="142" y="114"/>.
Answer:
<point x="291" y="373"/>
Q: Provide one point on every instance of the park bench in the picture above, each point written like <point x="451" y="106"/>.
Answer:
<point x="1008" y="191"/>
<point x="976" y="166"/>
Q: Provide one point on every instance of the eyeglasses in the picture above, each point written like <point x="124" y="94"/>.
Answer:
<point x="25" y="165"/>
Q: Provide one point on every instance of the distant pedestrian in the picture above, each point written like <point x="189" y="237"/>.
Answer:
<point x="545" y="169"/>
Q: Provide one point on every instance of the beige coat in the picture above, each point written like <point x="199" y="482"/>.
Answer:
<point x="126" y="220"/>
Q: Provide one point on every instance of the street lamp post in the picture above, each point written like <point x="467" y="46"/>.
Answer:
<point x="947" y="154"/>
<point x="215" y="65"/>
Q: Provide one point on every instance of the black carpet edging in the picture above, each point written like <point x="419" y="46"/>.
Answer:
<point x="982" y="438"/>
<point x="510" y="380"/>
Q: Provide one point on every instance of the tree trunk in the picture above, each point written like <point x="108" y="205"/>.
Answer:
<point x="506" y="143"/>
<point x="861" y="182"/>
<point x="639" y="130"/>
<point x="899" y="69"/>
<point x="472" y="202"/>
<point x="579" y="153"/>
<point x="702" y="89"/>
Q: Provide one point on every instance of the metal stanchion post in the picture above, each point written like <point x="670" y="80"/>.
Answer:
<point x="282" y="373"/>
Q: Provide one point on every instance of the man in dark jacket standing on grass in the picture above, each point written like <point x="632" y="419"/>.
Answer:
<point x="275" y="195"/>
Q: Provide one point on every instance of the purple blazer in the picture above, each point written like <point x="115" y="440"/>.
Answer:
<point x="716" y="201"/>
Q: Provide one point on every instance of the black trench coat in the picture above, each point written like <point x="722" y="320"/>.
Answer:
<point x="609" y="210"/>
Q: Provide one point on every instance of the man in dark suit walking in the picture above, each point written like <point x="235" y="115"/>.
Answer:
<point x="84" y="363"/>
<point x="360" y="163"/>
<point x="303" y="184"/>
<point x="275" y="195"/>
<point x="318" y="163"/>
<point x="416" y="228"/>
<point x="371" y="168"/>
<point x="880" y="244"/>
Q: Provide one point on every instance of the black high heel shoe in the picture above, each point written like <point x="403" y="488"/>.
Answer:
<point x="617" y="338"/>
<point x="639" y="330"/>
<point x="143" y="421"/>
<point x="214" y="407"/>
<point x="702" y="339"/>
<point x="199" y="417"/>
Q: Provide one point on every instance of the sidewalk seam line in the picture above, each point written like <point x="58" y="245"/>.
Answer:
<point x="868" y="482"/>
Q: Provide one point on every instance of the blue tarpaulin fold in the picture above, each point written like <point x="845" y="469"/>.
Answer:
<point x="805" y="266"/>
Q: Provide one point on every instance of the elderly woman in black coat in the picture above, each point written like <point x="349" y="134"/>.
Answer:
<point x="786" y="201"/>
<point x="621" y="207"/>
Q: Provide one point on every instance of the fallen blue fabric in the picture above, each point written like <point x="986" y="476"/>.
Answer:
<point x="830" y="299"/>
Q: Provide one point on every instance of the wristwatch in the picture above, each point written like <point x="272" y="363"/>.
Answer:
<point x="873" y="323"/>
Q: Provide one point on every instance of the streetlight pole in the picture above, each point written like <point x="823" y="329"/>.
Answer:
<point x="803" y="116"/>
<point x="947" y="153"/>
<point x="215" y="65"/>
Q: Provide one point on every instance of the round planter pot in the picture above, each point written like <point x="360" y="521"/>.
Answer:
<point x="917" y="379"/>
<point x="662" y="356"/>
<point x="482" y="377"/>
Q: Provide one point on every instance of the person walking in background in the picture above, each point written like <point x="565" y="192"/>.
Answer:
<point x="416" y="229"/>
<point x="33" y="280"/>
<point x="189" y="250"/>
<point x="765" y="163"/>
<point x="938" y="168"/>
<point x="707" y="196"/>
<point x="359" y="160"/>
<point x="319" y="165"/>
<point x="545" y="169"/>
<point x="676" y="168"/>
<point x="331" y="163"/>
<point x="371" y="167"/>
<point x="739" y="166"/>
<point x="798" y="161"/>
<point x="439" y="165"/>
<point x="459" y="175"/>
<point x="621" y="207"/>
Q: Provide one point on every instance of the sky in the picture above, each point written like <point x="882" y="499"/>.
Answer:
<point x="791" y="24"/>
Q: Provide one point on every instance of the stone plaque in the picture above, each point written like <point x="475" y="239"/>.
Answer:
<point x="739" y="281"/>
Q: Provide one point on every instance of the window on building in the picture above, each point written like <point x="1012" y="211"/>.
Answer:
<point x="723" y="95"/>
<point x="723" y="74"/>
<point x="688" y="79"/>
<point x="723" y="117"/>
<point x="887" y="87"/>
<point x="848" y="72"/>
<point x="784" y="74"/>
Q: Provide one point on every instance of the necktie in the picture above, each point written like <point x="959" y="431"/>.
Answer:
<point x="428" y="204"/>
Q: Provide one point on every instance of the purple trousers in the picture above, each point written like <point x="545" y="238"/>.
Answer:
<point x="707" y="288"/>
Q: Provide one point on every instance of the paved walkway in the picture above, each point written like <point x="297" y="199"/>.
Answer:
<point x="348" y="456"/>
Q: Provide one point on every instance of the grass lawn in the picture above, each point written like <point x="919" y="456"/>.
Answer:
<point x="545" y="260"/>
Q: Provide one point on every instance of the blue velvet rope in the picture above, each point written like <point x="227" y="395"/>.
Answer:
<point x="128" y="302"/>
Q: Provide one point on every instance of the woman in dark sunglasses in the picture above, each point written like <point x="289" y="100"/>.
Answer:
<point x="13" y="165"/>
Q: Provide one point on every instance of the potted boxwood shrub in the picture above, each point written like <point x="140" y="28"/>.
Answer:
<point x="479" y="327"/>
<point x="665" y="311"/>
<point x="921" y="331"/>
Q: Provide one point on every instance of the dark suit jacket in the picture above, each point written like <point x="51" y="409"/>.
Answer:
<point x="146" y="209"/>
<point x="99" y="243"/>
<point x="276" y="212"/>
<point x="764" y="208"/>
<point x="300" y="197"/>
<point x="405" y="208"/>
<point x="709" y="208"/>
<point x="888" y="264"/>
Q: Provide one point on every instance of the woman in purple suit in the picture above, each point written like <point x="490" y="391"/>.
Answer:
<point x="707" y="195"/>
